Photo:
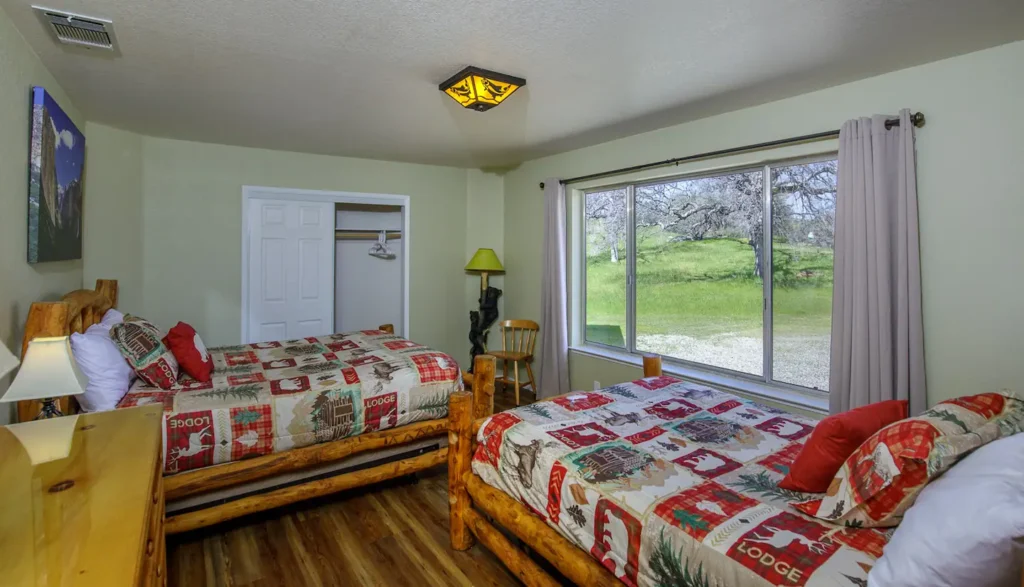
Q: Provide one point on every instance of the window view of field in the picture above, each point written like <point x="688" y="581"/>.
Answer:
<point x="699" y="283"/>
<point x="606" y="268"/>
<point x="803" y="223"/>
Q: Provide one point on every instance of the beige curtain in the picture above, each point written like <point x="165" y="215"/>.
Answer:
<point x="553" y="357"/>
<point x="877" y="327"/>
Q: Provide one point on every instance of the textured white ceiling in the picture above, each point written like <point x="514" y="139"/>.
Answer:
<point x="359" y="77"/>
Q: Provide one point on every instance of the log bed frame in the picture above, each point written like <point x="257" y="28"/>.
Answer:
<point x="466" y="491"/>
<point x="82" y="308"/>
<point x="466" y="414"/>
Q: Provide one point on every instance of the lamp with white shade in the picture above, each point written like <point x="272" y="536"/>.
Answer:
<point x="48" y="371"/>
<point x="7" y="361"/>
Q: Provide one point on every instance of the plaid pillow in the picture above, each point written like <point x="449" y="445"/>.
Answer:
<point x="139" y="343"/>
<point x="882" y="478"/>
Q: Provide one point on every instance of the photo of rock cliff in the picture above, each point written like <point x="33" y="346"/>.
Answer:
<point x="57" y="158"/>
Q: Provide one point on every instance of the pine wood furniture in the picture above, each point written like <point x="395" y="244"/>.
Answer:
<point x="80" y="309"/>
<point x="477" y="510"/>
<point x="476" y="506"/>
<point x="91" y="518"/>
<point x="75" y="312"/>
<point x="518" y="339"/>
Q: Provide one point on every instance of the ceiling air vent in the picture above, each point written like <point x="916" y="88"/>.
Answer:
<point x="75" y="29"/>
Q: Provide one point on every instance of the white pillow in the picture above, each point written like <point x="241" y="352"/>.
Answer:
<point x="109" y="374"/>
<point x="111" y="318"/>
<point x="965" y="527"/>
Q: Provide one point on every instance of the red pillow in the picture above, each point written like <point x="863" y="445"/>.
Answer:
<point x="190" y="351"/>
<point x="834" y="439"/>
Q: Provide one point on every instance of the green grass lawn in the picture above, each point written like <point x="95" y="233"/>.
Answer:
<point x="708" y="288"/>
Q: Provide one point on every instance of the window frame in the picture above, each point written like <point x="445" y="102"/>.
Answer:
<point x="765" y="384"/>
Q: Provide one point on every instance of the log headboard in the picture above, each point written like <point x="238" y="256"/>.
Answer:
<point x="75" y="312"/>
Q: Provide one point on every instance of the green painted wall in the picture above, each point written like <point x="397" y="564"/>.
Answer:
<point x="113" y="243"/>
<point x="971" y="203"/>
<point x="485" y="211"/>
<point x="165" y="220"/>
<point x="21" y="283"/>
<point x="191" y="231"/>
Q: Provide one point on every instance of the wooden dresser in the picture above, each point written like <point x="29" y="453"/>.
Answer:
<point x="81" y="501"/>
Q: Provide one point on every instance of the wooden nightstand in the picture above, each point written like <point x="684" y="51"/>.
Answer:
<point x="81" y="501"/>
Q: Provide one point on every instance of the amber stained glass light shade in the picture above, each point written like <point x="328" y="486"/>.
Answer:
<point x="480" y="89"/>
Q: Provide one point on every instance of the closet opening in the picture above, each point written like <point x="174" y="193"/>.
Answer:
<point x="368" y="262"/>
<point x="320" y="262"/>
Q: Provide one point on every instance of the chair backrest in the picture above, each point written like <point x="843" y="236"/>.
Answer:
<point x="519" y="336"/>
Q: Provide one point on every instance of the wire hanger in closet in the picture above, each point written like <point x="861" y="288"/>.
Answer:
<point x="380" y="248"/>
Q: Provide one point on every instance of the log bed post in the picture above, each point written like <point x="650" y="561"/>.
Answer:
<point x="389" y="328"/>
<point x="465" y="415"/>
<point x="459" y="456"/>
<point x="483" y="386"/>
<point x="463" y="408"/>
<point x="108" y="287"/>
<point x="75" y="312"/>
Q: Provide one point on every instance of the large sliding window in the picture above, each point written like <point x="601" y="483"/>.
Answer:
<point x="731" y="270"/>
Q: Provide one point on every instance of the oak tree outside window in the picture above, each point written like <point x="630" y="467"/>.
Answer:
<point x="689" y="268"/>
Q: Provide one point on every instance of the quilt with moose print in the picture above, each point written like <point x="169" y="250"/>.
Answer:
<point x="666" y="482"/>
<point x="274" y="396"/>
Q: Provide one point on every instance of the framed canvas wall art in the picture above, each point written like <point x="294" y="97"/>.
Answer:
<point x="56" y="164"/>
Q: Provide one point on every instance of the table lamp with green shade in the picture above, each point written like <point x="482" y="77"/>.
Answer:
<point x="485" y="261"/>
<point x="48" y="371"/>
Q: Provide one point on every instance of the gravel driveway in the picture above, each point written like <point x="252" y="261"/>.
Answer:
<point x="801" y="360"/>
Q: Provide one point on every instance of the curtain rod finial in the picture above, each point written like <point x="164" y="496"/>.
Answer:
<point x="918" y="119"/>
<point x="542" y="185"/>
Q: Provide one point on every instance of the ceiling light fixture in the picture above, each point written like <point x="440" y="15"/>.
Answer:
<point x="480" y="89"/>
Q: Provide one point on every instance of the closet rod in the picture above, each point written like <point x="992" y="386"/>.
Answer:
<point x="365" y="235"/>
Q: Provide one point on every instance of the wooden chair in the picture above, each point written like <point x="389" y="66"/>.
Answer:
<point x="518" y="337"/>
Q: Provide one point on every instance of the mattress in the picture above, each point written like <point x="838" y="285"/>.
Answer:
<point x="275" y="396"/>
<point x="666" y="482"/>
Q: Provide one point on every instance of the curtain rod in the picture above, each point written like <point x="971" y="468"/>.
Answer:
<point x="917" y="118"/>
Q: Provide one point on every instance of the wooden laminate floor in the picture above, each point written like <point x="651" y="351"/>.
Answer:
<point x="393" y="533"/>
<point x="505" y="398"/>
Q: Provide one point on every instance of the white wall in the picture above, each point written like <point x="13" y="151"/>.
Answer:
<point x="971" y="203"/>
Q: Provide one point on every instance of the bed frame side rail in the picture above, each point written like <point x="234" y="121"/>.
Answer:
<point x="466" y="490"/>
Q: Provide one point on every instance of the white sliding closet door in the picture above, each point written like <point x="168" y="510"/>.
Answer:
<point x="291" y="269"/>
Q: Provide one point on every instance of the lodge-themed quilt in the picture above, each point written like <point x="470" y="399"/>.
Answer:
<point x="666" y="482"/>
<point x="274" y="396"/>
